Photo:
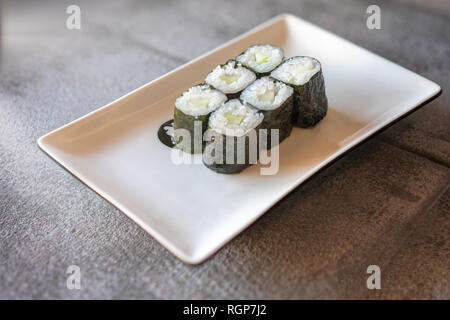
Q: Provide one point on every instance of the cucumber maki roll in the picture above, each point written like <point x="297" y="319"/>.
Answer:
<point x="304" y="74"/>
<point x="192" y="111"/>
<point x="261" y="58"/>
<point x="233" y="131"/>
<point x="230" y="78"/>
<point x="275" y="100"/>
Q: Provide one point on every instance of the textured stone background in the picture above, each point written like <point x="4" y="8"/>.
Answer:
<point x="385" y="203"/>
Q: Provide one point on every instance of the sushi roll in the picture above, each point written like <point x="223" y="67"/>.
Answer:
<point x="304" y="74"/>
<point x="230" y="78"/>
<point x="192" y="110"/>
<point x="261" y="58"/>
<point x="275" y="100"/>
<point x="233" y="131"/>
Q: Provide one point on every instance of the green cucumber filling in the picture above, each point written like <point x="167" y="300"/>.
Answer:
<point x="267" y="96"/>
<point x="261" y="57"/>
<point x="234" y="119"/>
<point x="230" y="78"/>
<point x="200" y="101"/>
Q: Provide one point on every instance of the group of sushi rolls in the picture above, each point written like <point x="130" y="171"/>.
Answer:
<point x="259" y="89"/>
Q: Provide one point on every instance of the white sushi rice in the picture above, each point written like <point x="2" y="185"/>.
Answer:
<point x="235" y="119"/>
<point x="261" y="58"/>
<point x="297" y="70"/>
<point x="266" y="94"/>
<point x="200" y="100"/>
<point x="230" y="78"/>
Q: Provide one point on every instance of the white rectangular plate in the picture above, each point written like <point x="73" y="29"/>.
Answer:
<point x="193" y="211"/>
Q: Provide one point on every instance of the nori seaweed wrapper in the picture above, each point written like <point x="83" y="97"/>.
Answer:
<point x="310" y="102"/>
<point x="182" y="120"/>
<point x="232" y="96"/>
<point x="260" y="75"/>
<point x="234" y="167"/>
<point x="279" y="118"/>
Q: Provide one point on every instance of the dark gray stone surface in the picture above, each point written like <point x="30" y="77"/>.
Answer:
<point x="384" y="203"/>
